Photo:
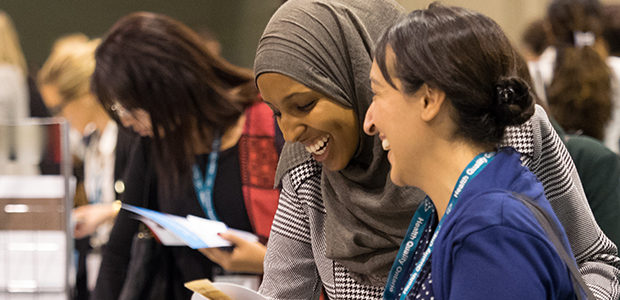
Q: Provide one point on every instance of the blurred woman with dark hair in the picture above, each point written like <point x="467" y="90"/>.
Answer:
<point x="197" y="114"/>
<point x="578" y="77"/>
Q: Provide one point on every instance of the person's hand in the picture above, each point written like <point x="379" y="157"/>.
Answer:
<point x="246" y="256"/>
<point x="89" y="217"/>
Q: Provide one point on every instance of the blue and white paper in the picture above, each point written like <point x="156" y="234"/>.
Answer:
<point x="193" y="231"/>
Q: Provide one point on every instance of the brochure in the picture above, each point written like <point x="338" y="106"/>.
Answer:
<point x="193" y="231"/>
<point x="204" y="289"/>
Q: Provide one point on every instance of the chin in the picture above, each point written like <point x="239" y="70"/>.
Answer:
<point x="334" y="165"/>
<point x="397" y="180"/>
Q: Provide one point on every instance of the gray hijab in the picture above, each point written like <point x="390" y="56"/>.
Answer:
<point x="327" y="46"/>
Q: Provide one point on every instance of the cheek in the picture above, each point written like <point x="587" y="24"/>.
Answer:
<point x="143" y="118"/>
<point x="126" y="120"/>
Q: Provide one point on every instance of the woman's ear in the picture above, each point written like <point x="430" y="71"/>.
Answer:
<point x="432" y="101"/>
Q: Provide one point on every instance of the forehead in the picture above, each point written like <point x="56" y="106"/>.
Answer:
<point x="390" y="61"/>
<point x="275" y="87"/>
<point x="378" y="77"/>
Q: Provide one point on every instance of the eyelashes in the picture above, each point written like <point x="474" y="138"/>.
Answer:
<point x="300" y="108"/>
<point x="308" y="106"/>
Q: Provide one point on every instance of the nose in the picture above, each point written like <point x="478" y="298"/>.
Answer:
<point x="369" y="125"/>
<point x="291" y="128"/>
<point x="127" y="120"/>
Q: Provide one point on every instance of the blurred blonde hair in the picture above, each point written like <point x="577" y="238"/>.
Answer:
<point x="10" y="50"/>
<point x="70" y="66"/>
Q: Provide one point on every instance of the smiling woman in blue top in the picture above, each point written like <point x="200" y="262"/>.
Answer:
<point x="446" y="87"/>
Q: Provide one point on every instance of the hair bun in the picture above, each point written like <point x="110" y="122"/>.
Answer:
<point x="513" y="101"/>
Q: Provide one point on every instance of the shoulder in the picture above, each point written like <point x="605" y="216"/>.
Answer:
<point x="478" y="254"/>
<point x="588" y="149"/>
<point x="305" y="173"/>
<point x="11" y="72"/>
<point x="12" y="79"/>
<point x="301" y="186"/>
<point x="614" y="63"/>
<point x="497" y="208"/>
<point x="528" y="138"/>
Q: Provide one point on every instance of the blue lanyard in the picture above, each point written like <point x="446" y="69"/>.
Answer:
<point x="416" y="228"/>
<point x="204" y="187"/>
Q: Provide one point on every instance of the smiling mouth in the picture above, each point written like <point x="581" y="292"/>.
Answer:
<point x="319" y="147"/>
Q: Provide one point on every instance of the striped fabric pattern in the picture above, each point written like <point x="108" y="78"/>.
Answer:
<point x="296" y="266"/>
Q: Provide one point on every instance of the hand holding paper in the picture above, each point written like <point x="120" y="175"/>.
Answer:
<point x="246" y="256"/>
<point x="192" y="231"/>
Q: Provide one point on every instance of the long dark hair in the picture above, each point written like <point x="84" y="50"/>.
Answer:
<point x="153" y="62"/>
<point x="580" y="95"/>
<point x="466" y="55"/>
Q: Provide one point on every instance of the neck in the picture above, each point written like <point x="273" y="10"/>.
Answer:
<point x="443" y="170"/>
<point x="101" y="119"/>
<point x="229" y="138"/>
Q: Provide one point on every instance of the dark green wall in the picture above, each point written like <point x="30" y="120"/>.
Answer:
<point x="238" y="24"/>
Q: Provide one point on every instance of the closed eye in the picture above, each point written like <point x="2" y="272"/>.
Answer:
<point x="307" y="106"/>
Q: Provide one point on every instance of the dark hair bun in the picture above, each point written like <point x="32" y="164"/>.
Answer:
<point x="513" y="100"/>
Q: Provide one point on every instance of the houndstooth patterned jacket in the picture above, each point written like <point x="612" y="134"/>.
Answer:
<point x="296" y="266"/>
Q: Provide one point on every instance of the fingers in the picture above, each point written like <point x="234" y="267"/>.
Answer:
<point x="217" y="256"/>
<point x="234" y="239"/>
<point x="83" y="229"/>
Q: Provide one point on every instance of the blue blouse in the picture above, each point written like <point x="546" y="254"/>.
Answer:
<point x="491" y="246"/>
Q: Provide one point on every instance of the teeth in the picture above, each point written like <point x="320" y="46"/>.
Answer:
<point x="319" y="144"/>
<point x="385" y="144"/>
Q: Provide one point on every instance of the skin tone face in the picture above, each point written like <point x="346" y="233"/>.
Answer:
<point x="51" y="96"/>
<point x="419" y="134"/>
<point x="396" y="117"/>
<point x="328" y="130"/>
<point x="138" y="119"/>
<point x="79" y="112"/>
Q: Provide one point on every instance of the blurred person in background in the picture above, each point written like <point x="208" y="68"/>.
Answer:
<point x="575" y="76"/>
<point x="597" y="165"/>
<point x="13" y="72"/>
<point x="19" y="99"/>
<point x="199" y="117"/>
<point x="97" y="141"/>
<point x="534" y="40"/>
<point x="14" y="97"/>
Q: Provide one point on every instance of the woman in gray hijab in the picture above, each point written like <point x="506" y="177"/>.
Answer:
<point x="341" y="220"/>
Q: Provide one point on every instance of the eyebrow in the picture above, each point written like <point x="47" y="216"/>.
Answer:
<point x="296" y="94"/>
<point x="373" y="80"/>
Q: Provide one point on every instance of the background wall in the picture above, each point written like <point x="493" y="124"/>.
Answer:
<point x="512" y="15"/>
<point x="238" y="24"/>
